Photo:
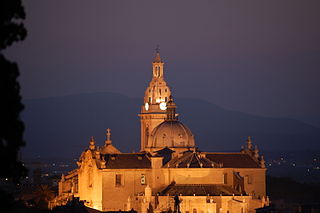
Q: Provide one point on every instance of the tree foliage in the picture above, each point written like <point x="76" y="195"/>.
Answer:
<point x="43" y="194"/>
<point x="11" y="27"/>
<point x="11" y="127"/>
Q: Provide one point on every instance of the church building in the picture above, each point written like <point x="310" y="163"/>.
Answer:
<point x="169" y="173"/>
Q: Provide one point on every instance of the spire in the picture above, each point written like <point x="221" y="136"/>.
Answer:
<point x="157" y="91"/>
<point x="157" y="58"/>
<point x="171" y="110"/>
<point x="157" y="65"/>
<point x="92" y="145"/>
<point x="108" y="141"/>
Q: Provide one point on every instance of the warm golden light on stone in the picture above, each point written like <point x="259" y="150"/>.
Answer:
<point x="169" y="171"/>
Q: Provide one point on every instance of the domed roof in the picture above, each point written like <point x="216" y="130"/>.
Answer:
<point x="109" y="149"/>
<point x="171" y="133"/>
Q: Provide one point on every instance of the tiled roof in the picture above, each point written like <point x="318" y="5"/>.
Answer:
<point x="188" y="160"/>
<point x="109" y="149"/>
<point x="127" y="161"/>
<point x="233" y="160"/>
<point x="191" y="160"/>
<point x="199" y="190"/>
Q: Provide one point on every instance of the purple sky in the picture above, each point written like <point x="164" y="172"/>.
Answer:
<point x="260" y="57"/>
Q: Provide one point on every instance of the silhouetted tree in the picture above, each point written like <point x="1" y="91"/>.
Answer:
<point x="11" y="127"/>
<point x="42" y="195"/>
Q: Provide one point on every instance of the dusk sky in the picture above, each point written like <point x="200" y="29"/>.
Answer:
<point x="259" y="57"/>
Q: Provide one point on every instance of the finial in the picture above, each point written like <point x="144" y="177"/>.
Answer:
<point x="103" y="162"/>
<point x="157" y="58"/>
<point x="92" y="145"/>
<point x="158" y="48"/>
<point x="256" y="152"/>
<point x="97" y="153"/>
<point x="108" y="141"/>
<point x="262" y="162"/>
<point x="249" y="143"/>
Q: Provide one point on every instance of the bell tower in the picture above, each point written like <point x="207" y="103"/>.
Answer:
<point x="156" y="97"/>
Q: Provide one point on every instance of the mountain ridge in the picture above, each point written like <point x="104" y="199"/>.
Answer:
<point x="63" y="125"/>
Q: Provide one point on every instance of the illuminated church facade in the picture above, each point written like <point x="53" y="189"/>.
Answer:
<point x="169" y="172"/>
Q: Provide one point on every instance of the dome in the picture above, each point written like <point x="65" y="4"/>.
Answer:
<point x="157" y="92"/>
<point x="171" y="133"/>
<point x="109" y="149"/>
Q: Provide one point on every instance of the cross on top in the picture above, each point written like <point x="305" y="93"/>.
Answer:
<point x="108" y="135"/>
<point x="158" y="48"/>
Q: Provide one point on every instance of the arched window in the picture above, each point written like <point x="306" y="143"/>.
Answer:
<point x="166" y="99"/>
<point x="194" y="211"/>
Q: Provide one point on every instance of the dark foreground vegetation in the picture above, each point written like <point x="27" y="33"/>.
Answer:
<point x="291" y="191"/>
<point x="291" y="196"/>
